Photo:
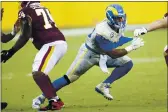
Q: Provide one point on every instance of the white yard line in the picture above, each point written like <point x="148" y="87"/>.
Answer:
<point x="147" y="60"/>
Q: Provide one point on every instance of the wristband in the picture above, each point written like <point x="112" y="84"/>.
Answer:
<point x="129" y="49"/>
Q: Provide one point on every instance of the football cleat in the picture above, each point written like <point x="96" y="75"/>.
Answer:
<point x="103" y="89"/>
<point x="38" y="101"/>
<point x="61" y="103"/>
<point x="53" y="105"/>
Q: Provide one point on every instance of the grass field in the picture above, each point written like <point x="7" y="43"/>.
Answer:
<point x="143" y="89"/>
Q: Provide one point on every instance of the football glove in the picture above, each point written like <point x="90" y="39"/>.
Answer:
<point x="6" y="54"/>
<point x="136" y="43"/>
<point x="138" y="32"/>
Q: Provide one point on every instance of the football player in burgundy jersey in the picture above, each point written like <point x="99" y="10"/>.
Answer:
<point x="162" y="23"/>
<point x="37" y="23"/>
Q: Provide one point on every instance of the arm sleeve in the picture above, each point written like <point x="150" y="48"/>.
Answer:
<point x="25" y="34"/>
<point x="6" y="37"/>
<point x="107" y="45"/>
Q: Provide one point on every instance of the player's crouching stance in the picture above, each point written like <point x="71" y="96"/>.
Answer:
<point x="37" y="23"/>
<point x="100" y="49"/>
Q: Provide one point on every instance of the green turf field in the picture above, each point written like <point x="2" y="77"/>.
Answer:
<point x="143" y="89"/>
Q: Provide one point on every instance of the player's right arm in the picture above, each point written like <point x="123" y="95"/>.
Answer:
<point x="7" y="37"/>
<point x="162" y="23"/>
<point x="109" y="48"/>
<point x="25" y="25"/>
<point x="158" y="24"/>
<point x="26" y="30"/>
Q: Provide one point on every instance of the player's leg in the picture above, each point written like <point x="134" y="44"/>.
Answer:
<point x="123" y="66"/>
<point x="80" y="65"/>
<point x="84" y="60"/>
<point x="166" y="54"/>
<point x="44" y="61"/>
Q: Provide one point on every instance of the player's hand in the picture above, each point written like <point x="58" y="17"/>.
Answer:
<point x="137" y="43"/>
<point x="2" y="11"/>
<point x="6" y="54"/>
<point x="138" y="32"/>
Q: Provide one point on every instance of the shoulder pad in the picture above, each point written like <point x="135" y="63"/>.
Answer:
<point x="101" y="29"/>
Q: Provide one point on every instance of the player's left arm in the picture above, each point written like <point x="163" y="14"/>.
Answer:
<point x="26" y="30"/>
<point x="109" y="48"/>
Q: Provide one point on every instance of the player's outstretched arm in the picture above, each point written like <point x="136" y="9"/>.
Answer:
<point x="25" y="33"/>
<point x="5" y="37"/>
<point x="162" y="23"/>
<point x="109" y="48"/>
<point x="8" y="37"/>
<point x="23" y="39"/>
<point x="158" y="24"/>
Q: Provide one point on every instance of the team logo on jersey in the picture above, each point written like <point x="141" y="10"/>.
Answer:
<point x="112" y="34"/>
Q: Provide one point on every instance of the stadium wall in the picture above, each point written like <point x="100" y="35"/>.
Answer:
<point x="87" y="14"/>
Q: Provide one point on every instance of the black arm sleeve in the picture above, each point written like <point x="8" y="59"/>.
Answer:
<point x="25" y="34"/>
<point x="6" y="37"/>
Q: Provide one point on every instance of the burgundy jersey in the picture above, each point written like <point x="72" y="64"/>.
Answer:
<point x="43" y="27"/>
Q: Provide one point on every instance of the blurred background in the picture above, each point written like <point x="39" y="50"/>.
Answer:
<point x="87" y="14"/>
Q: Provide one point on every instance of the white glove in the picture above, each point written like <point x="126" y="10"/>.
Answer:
<point x="136" y="43"/>
<point x="138" y="32"/>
